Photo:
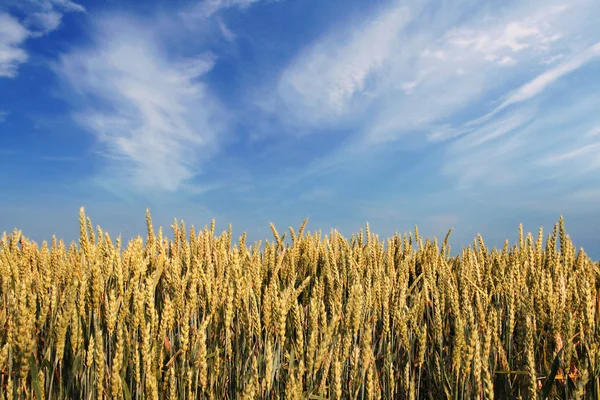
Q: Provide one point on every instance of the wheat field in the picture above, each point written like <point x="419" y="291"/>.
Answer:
<point x="325" y="317"/>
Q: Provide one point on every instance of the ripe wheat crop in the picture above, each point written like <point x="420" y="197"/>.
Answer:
<point x="201" y="316"/>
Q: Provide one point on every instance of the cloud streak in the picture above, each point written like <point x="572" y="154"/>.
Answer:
<point x="409" y="78"/>
<point x="417" y="68"/>
<point x="537" y="85"/>
<point x="153" y="116"/>
<point x="329" y="77"/>
<point x="42" y="17"/>
<point x="542" y="145"/>
<point x="12" y="36"/>
<point x="45" y="16"/>
<point x="207" y="8"/>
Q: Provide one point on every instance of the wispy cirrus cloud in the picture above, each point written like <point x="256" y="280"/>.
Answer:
<point x="525" y="144"/>
<point x="476" y="60"/>
<point x="41" y="18"/>
<point x="152" y="113"/>
<point x="545" y="145"/>
<point x="225" y="31"/>
<point x="407" y="57"/>
<point x="206" y="8"/>
<point x="541" y="82"/>
<point x="12" y="36"/>
<point x="330" y="78"/>
<point x="400" y="96"/>
<point x="414" y="77"/>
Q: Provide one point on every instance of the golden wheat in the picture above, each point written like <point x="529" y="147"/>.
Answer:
<point x="201" y="316"/>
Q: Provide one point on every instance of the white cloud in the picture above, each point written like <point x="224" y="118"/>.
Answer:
<point x="68" y="5"/>
<point x="595" y="131"/>
<point x="443" y="133"/>
<point x="553" y="59"/>
<point x="206" y="8"/>
<point x="3" y="115"/>
<point x="30" y="6"/>
<point x="324" y="80"/>
<point x="41" y="18"/>
<point x="542" y="81"/>
<point x="44" y="16"/>
<point x="154" y="116"/>
<point x="498" y="41"/>
<point x="419" y="79"/>
<point x="225" y="31"/>
<point x="44" y="22"/>
<point x="476" y="158"/>
<point x="483" y="57"/>
<point x="494" y="130"/>
<point x="508" y="60"/>
<point x="408" y="69"/>
<point x="12" y="36"/>
<point x="573" y="154"/>
<point x="549" y="143"/>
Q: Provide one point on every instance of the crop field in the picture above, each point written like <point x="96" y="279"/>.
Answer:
<point x="325" y="317"/>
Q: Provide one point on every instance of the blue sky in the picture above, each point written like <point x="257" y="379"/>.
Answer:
<point x="465" y="114"/>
